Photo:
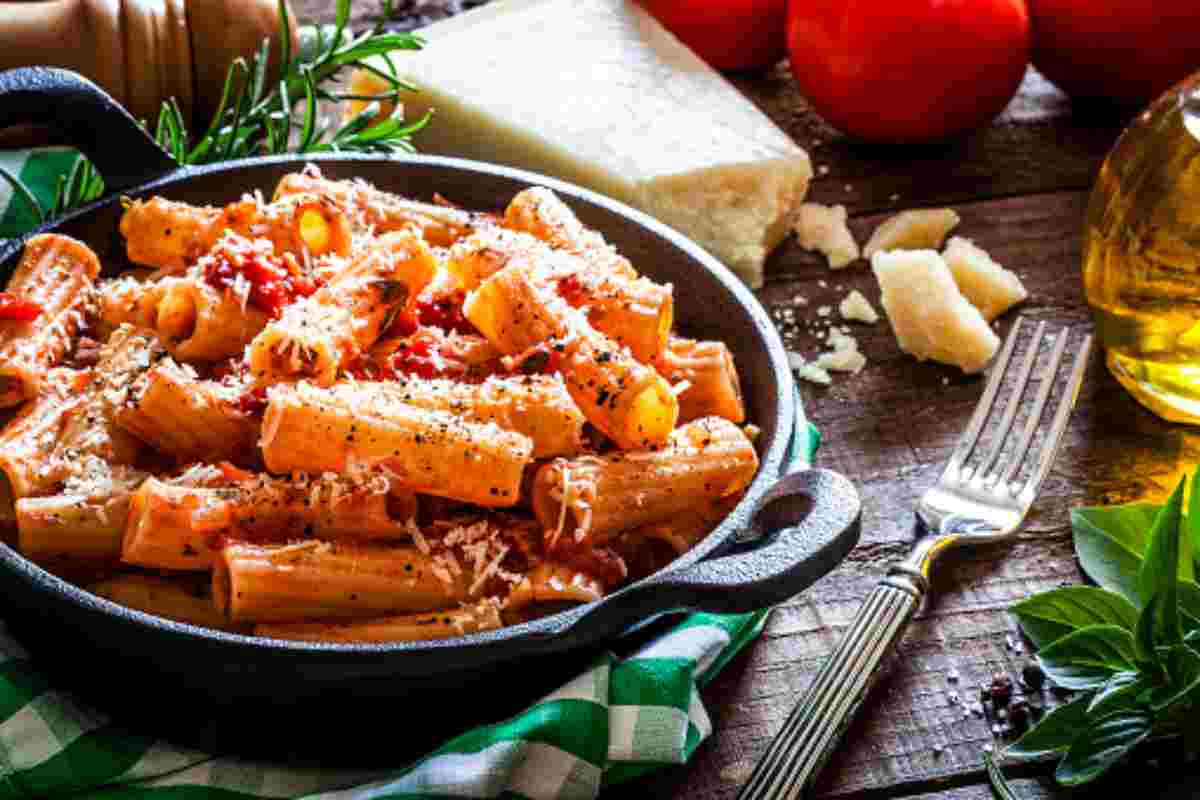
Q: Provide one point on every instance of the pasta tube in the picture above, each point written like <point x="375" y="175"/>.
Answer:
<point x="636" y="312"/>
<point x="627" y="400"/>
<point x="537" y="406"/>
<point x="172" y="599"/>
<point x="550" y="582"/>
<point x="171" y="236"/>
<point x="182" y="527"/>
<point x="541" y="213"/>
<point x="74" y="528"/>
<point x="179" y="415"/>
<point x="66" y="438"/>
<point x="314" y="430"/>
<point x="27" y="439"/>
<point x="128" y="299"/>
<point x="91" y="440"/>
<point x="711" y="381"/>
<point x="198" y="322"/>
<point x="329" y="580"/>
<point x="594" y="498"/>
<point x="483" y="616"/>
<point x="56" y="273"/>
<point x="370" y="209"/>
<point x="683" y="531"/>
<point x="318" y="334"/>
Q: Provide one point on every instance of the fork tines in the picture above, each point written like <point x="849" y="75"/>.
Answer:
<point x="998" y="464"/>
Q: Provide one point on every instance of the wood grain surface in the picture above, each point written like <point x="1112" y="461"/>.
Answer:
<point x="1021" y="187"/>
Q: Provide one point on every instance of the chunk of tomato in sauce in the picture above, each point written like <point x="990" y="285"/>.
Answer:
<point x="15" y="308"/>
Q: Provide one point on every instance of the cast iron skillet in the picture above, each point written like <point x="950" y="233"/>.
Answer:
<point x="782" y="537"/>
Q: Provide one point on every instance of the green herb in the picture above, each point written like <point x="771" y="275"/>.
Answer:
<point x="255" y="119"/>
<point x="1000" y="786"/>
<point x="1132" y="645"/>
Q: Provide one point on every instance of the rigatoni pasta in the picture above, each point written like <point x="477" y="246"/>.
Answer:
<point x="317" y="335"/>
<point x="42" y="311"/>
<point x="598" y="497"/>
<point x="309" y="429"/>
<point x="623" y="397"/>
<point x="705" y="379"/>
<point x="350" y="416"/>
<point x="171" y="236"/>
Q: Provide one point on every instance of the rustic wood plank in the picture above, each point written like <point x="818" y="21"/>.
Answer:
<point x="890" y="428"/>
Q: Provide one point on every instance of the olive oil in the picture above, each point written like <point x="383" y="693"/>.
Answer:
<point x="1141" y="255"/>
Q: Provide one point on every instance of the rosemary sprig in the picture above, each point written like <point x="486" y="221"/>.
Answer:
<point x="254" y="119"/>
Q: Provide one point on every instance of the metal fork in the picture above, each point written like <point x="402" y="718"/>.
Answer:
<point x="971" y="503"/>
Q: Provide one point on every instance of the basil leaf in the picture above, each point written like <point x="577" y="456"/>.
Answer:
<point x="1054" y="733"/>
<point x="1000" y="785"/>
<point x="1192" y="521"/>
<point x="1107" y="559"/>
<point x="1144" y="634"/>
<point x="1183" y="669"/>
<point x="1051" y="615"/>
<point x="1189" y="605"/>
<point x="1159" y="573"/>
<point x="1120" y="692"/>
<point x="1102" y="744"/>
<point x="1087" y="658"/>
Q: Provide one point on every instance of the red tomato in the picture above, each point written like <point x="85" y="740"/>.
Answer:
<point x="15" y="307"/>
<point x="908" y="70"/>
<point x="1125" y="51"/>
<point x="728" y="34"/>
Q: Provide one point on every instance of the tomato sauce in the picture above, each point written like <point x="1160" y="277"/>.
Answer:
<point x="15" y="308"/>
<point x="442" y="310"/>
<point x="274" y="282"/>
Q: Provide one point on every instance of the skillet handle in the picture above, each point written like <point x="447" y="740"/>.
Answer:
<point x="88" y="119"/>
<point x="794" y="550"/>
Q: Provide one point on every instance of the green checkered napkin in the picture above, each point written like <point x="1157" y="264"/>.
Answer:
<point x="618" y="720"/>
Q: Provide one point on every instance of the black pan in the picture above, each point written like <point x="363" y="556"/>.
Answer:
<point x="781" y="538"/>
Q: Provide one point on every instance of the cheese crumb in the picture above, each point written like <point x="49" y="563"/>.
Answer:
<point x="917" y="229"/>
<point x="929" y="315"/>
<point x="823" y="228"/>
<point x="988" y="286"/>
<point x="844" y="357"/>
<point x="807" y="370"/>
<point x="858" y="308"/>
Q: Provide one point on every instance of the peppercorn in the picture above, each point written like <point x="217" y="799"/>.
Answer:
<point x="1001" y="689"/>
<point x="1018" y="714"/>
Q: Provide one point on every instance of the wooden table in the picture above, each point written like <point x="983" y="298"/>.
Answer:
<point x="1021" y="186"/>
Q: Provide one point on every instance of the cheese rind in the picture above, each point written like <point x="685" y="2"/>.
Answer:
<point x="597" y="92"/>
<point x="823" y="228"/>
<point x="916" y="229"/>
<point x="988" y="286"/>
<point x="929" y="315"/>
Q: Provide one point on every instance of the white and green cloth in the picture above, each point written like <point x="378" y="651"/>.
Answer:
<point x="615" y="721"/>
<point x="618" y="720"/>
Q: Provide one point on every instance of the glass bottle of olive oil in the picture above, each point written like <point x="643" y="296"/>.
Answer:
<point x="1141" y="255"/>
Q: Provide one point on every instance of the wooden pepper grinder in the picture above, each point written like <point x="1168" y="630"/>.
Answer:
<point x="144" y="51"/>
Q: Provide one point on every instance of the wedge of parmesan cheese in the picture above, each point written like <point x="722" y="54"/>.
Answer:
<point x="987" y="285"/>
<point x="597" y="92"/>
<point x="918" y="229"/>
<point x="823" y="228"/>
<point x="929" y="315"/>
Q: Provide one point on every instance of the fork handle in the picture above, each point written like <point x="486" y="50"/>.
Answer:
<point x="800" y="749"/>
